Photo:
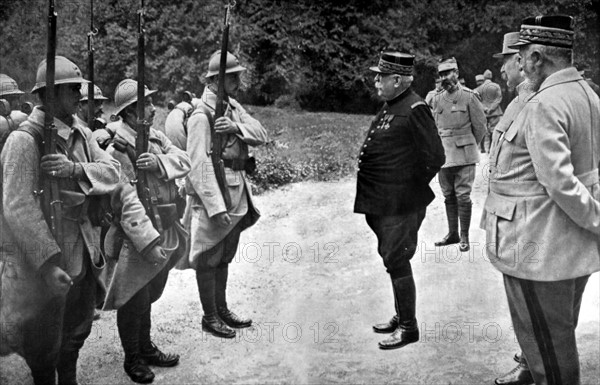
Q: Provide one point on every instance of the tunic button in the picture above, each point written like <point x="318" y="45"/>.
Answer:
<point x="372" y="131"/>
<point x="365" y="146"/>
<point x="362" y="152"/>
<point x="368" y="139"/>
<point x="359" y="161"/>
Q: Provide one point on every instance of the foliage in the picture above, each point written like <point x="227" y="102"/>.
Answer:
<point x="317" y="54"/>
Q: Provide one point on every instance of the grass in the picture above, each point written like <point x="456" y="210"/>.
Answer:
<point x="302" y="145"/>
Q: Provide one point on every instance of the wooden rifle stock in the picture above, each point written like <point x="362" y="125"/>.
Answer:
<point x="51" y="190"/>
<point x="143" y="131"/>
<point x="217" y="139"/>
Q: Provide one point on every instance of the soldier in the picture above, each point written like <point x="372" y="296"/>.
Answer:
<point x="48" y="285"/>
<point x="461" y="124"/>
<point x="511" y="71"/>
<point x="543" y="222"/>
<point x="140" y="249"/>
<point x="82" y="109"/>
<point x="10" y="115"/>
<point x="401" y="154"/>
<point x="479" y="79"/>
<point x="176" y="121"/>
<point x="214" y="228"/>
<point x="491" y="96"/>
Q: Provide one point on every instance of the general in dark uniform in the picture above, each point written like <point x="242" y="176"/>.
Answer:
<point x="400" y="156"/>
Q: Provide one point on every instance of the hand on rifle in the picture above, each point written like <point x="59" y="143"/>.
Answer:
<point x="156" y="255"/>
<point x="57" y="165"/>
<point x="147" y="162"/>
<point x="224" y="125"/>
<point x="223" y="219"/>
<point x="57" y="280"/>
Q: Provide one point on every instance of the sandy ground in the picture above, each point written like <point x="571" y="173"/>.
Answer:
<point x="309" y="276"/>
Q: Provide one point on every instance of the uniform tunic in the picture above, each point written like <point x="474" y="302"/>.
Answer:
<point x="398" y="158"/>
<point x="461" y="124"/>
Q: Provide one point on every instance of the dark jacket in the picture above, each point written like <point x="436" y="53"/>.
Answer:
<point x="400" y="156"/>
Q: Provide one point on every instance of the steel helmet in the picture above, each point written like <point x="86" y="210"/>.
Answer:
<point x="126" y="94"/>
<point x="8" y="86"/>
<point x="65" y="72"/>
<point x="233" y="64"/>
<point x="97" y="93"/>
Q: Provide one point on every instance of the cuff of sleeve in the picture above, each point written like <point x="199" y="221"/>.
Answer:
<point x="162" y="171"/>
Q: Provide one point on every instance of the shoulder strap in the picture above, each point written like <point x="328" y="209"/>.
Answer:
<point x="203" y="109"/>
<point x="35" y="133"/>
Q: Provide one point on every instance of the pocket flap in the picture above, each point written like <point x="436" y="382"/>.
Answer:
<point x="233" y="178"/>
<point x="511" y="132"/>
<point x="500" y="207"/>
<point x="459" y="108"/>
<point x="464" y="141"/>
<point x="72" y="198"/>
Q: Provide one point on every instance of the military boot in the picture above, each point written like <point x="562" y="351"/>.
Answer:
<point x="211" y="323"/>
<point x="67" y="368"/>
<point x="148" y="350"/>
<point x="464" y="213"/>
<point x="452" y="217"/>
<point x="407" y="331"/>
<point x="392" y="324"/>
<point x="129" y="332"/>
<point x="520" y="375"/>
<point x="230" y="318"/>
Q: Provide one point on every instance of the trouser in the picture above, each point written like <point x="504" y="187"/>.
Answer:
<point x="456" y="183"/>
<point x="544" y="316"/>
<point x="53" y="338"/>
<point x="397" y="238"/>
<point x="134" y="317"/>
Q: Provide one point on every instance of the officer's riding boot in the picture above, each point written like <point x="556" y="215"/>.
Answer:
<point x="148" y="350"/>
<point x="407" y="331"/>
<point x="129" y="331"/>
<point x="464" y="213"/>
<point x="520" y="375"/>
<point x="67" y="368"/>
<point x="211" y="323"/>
<point x="392" y="324"/>
<point x="230" y="318"/>
<point x="44" y="377"/>
<point x="452" y="217"/>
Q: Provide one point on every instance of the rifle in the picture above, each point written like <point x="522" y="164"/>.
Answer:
<point x="51" y="190"/>
<point x="217" y="139"/>
<point x="90" y="35"/>
<point x="143" y="131"/>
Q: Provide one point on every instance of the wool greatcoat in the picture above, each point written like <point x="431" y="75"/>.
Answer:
<point x="27" y="241"/>
<point x="133" y="233"/>
<point x="543" y="209"/>
<point x="204" y="197"/>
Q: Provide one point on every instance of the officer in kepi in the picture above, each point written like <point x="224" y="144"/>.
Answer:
<point x="400" y="155"/>
<point x="461" y="124"/>
<point x="10" y="114"/>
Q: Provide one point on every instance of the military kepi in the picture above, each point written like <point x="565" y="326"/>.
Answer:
<point x="395" y="63"/>
<point x="447" y="64"/>
<point x="555" y="31"/>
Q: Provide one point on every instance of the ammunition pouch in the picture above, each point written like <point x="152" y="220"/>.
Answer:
<point x="168" y="214"/>
<point x="248" y="165"/>
<point x="73" y="204"/>
<point x="100" y="211"/>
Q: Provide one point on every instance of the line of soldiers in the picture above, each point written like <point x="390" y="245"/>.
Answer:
<point x="542" y="211"/>
<point x="114" y="256"/>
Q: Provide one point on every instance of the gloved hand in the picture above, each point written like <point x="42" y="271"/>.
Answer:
<point x="57" y="165"/>
<point x="156" y="255"/>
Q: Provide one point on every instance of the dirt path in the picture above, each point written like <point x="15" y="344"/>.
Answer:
<point x="309" y="276"/>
